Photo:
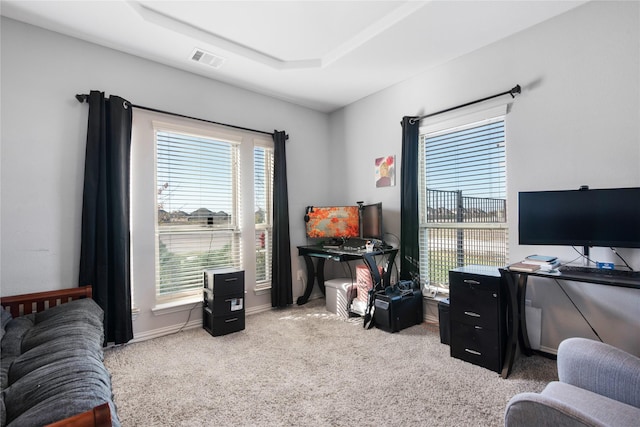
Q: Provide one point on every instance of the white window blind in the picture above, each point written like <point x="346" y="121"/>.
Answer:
<point x="198" y="205"/>
<point x="263" y="199"/>
<point x="462" y="199"/>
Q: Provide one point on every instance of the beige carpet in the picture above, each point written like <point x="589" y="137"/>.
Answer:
<point x="303" y="366"/>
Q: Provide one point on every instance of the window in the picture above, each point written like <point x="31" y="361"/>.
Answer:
<point x="201" y="199"/>
<point x="263" y="190"/>
<point x="462" y="198"/>
<point x="198" y="203"/>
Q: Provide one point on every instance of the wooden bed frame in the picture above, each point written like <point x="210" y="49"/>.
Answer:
<point x="19" y="305"/>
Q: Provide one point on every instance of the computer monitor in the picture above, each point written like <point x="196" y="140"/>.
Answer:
<point x="332" y="222"/>
<point x="371" y="221"/>
<point x="601" y="217"/>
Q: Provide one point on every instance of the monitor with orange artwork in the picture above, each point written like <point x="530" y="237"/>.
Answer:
<point x="329" y="222"/>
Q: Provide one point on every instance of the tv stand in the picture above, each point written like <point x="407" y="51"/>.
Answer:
<point x="516" y="282"/>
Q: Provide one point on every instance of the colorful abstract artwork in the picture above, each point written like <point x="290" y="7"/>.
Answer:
<point x="385" y="171"/>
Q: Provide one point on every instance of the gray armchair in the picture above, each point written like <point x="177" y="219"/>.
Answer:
<point x="599" y="386"/>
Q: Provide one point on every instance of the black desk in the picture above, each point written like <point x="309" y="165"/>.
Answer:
<point x="516" y="285"/>
<point x="321" y="254"/>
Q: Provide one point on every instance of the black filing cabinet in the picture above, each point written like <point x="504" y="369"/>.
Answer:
<point x="223" y="305"/>
<point x="478" y="316"/>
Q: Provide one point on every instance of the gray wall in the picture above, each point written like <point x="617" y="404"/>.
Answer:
<point x="576" y="122"/>
<point x="43" y="147"/>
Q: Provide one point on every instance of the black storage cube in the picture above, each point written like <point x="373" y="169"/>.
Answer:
<point x="397" y="311"/>
<point x="222" y="325"/>
<point x="443" y="320"/>
<point x="224" y="282"/>
<point x="223" y="301"/>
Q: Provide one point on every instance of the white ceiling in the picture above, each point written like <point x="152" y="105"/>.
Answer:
<point x="319" y="54"/>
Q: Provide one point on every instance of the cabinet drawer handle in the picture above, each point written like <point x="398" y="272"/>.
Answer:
<point x="235" y="319"/>
<point x="478" y="327"/>
<point x="477" y="353"/>
<point x="471" y="282"/>
<point x="232" y="279"/>
<point x="471" y="313"/>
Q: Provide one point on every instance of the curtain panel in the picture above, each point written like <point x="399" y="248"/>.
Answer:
<point x="409" y="224"/>
<point x="281" y="280"/>
<point x="105" y="242"/>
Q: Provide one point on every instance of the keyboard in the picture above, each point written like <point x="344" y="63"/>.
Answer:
<point x="354" y="243"/>
<point x="600" y="271"/>
<point x="332" y="244"/>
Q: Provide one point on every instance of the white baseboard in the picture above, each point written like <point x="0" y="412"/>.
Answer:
<point x="259" y="309"/>
<point x="167" y="330"/>
<point x="549" y="350"/>
<point x="195" y="323"/>
<point x="430" y="310"/>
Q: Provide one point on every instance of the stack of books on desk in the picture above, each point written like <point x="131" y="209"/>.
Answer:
<point x="536" y="262"/>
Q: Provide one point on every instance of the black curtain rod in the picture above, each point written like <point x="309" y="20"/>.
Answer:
<point x="85" y="98"/>
<point x="513" y="92"/>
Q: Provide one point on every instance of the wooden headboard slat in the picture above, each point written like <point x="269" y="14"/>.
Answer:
<point x="23" y="304"/>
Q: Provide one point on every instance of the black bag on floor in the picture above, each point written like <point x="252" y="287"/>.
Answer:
<point x="397" y="308"/>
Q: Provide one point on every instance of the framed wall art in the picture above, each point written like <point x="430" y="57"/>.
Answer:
<point x="385" y="171"/>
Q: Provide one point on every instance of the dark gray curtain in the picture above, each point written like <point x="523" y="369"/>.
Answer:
<point x="281" y="280"/>
<point x="410" y="260"/>
<point x="104" y="257"/>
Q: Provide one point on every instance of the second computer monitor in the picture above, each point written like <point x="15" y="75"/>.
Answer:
<point x="371" y="221"/>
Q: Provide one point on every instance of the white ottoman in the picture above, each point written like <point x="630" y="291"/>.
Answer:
<point x="338" y="294"/>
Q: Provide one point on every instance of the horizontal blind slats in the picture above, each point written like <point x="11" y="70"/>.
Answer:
<point x="464" y="181"/>
<point x="197" y="207"/>
<point x="263" y="190"/>
<point x="471" y="160"/>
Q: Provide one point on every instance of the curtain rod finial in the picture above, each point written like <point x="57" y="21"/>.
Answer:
<point x="516" y="90"/>
<point x="82" y="98"/>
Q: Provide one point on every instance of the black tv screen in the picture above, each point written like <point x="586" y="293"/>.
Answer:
<point x="599" y="217"/>
<point x="371" y="221"/>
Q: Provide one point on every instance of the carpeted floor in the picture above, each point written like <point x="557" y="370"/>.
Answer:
<point x="303" y="366"/>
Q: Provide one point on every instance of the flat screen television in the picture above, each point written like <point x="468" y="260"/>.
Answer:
<point x="598" y="217"/>
<point x="332" y="222"/>
<point x="371" y="221"/>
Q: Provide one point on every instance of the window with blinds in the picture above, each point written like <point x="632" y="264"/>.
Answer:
<point x="462" y="199"/>
<point x="263" y="199"/>
<point x="198" y="206"/>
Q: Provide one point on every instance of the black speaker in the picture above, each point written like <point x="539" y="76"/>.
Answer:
<point x="443" y="320"/>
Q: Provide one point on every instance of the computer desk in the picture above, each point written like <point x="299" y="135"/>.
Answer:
<point x="516" y="285"/>
<point x="341" y="255"/>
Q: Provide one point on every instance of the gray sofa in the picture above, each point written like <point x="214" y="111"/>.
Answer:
<point x="52" y="365"/>
<point x="599" y="385"/>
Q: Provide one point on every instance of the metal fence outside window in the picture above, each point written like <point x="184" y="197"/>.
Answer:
<point x="462" y="230"/>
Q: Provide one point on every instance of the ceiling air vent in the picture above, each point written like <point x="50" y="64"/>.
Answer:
<point x="207" y="58"/>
